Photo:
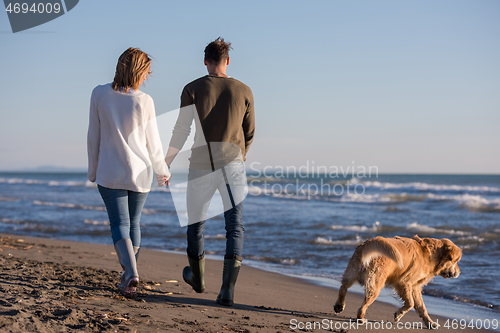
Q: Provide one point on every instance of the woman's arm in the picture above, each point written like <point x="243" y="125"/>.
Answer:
<point x="93" y="138"/>
<point x="154" y="145"/>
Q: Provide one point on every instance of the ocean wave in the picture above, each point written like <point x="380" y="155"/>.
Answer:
<point x="149" y="211"/>
<point x="477" y="203"/>
<point x="274" y="260"/>
<point x="381" y="198"/>
<point x="68" y="205"/>
<point x="93" y="222"/>
<point x="363" y="198"/>
<point x="358" y="228"/>
<point x="46" y="182"/>
<point x="216" y="237"/>
<point x="344" y="242"/>
<point x="7" y="199"/>
<point x="67" y="183"/>
<point x="454" y="297"/>
<point x="469" y="239"/>
<point x="21" y="181"/>
<point x="5" y="220"/>
<point x="472" y="202"/>
<point x="429" y="187"/>
<point x="425" y="229"/>
<point x="146" y="211"/>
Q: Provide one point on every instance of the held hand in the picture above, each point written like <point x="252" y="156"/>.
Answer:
<point x="161" y="180"/>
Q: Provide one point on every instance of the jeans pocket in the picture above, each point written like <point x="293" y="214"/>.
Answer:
<point x="236" y="174"/>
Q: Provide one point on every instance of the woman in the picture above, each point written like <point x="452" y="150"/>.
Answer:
<point x="123" y="147"/>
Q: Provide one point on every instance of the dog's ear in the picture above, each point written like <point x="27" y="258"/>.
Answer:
<point x="422" y="243"/>
<point x="445" y="252"/>
<point x="449" y="250"/>
<point x="443" y="256"/>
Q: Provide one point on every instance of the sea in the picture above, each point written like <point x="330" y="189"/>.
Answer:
<point x="299" y="224"/>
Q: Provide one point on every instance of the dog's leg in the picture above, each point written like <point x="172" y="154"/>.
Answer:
<point x="405" y="293"/>
<point x="373" y="286"/>
<point x="421" y="310"/>
<point x="347" y="282"/>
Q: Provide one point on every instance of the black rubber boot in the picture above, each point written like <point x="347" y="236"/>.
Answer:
<point x="229" y="276"/>
<point x="194" y="274"/>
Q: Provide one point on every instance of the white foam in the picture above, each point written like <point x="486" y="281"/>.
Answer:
<point x="5" y="220"/>
<point x="472" y="238"/>
<point x="354" y="181"/>
<point x="288" y="261"/>
<point x="93" y="222"/>
<point x="149" y="211"/>
<point x="477" y="201"/>
<point x="66" y="183"/>
<point x="7" y="199"/>
<point x="358" y="228"/>
<point x="330" y="241"/>
<point x="430" y="187"/>
<point x="21" y="181"/>
<point x="217" y="237"/>
<point x="366" y="198"/>
<point x="431" y="230"/>
<point x="469" y="201"/>
<point x="67" y="205"/>
<point x="43" y="182"/>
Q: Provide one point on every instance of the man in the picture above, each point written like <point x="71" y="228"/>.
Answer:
<point x="223" y="110"/>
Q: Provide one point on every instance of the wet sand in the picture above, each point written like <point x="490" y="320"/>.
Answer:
<point x="49" y="285"/>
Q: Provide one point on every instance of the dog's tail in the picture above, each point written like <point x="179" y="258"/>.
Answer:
<point x="380" y="246"/>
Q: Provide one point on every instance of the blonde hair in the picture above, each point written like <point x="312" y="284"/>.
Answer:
<point x="131" y="68"/>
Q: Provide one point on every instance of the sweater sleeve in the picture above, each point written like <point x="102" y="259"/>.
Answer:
<point x="93" y="138"/>
<point x="153" y="141"/>
<point x="182" y="127"/>
<point x="249" y="124"/>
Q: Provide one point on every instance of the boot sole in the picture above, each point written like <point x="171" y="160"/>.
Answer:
<point x="225" y="302"/>
<point x="131" y="290"/>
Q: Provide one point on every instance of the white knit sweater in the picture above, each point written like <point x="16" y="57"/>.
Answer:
<point x="123" y="142"/>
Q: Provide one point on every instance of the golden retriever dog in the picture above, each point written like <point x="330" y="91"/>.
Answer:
<point x="406" y="264"/>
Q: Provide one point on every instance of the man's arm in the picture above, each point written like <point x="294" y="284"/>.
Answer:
<point x="182" y="127"/>
<point x="171" y="154"/>
<point x="249" y="124"/>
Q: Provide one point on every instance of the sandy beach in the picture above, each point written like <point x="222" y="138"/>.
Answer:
<point x="52" y="285"/>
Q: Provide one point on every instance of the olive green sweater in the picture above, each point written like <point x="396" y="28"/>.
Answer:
<point x="223" y="110"/>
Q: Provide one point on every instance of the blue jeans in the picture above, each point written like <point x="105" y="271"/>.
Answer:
<point x="231" y="183"/>
<point x="124" y="212"/>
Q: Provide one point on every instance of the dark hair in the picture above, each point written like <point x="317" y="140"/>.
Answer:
<point x="217" y="51"/>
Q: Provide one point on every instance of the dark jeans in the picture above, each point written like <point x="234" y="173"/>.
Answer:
<point x="124" y="212"/>
<point x="231" y="183"/>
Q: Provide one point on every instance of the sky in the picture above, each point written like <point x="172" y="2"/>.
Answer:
<point x="405" y="86"/>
